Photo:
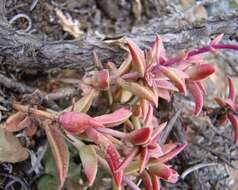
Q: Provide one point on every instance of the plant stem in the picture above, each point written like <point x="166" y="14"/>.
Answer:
<point x="34" y="111"/>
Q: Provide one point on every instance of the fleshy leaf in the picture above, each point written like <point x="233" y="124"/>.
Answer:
<point x="111" y="154"/>
<point x="138" y="58"/>
<point x="147" y="180"/>
<point x="163" y="171"/>
<point x="197" y="95"/>
<point x="232" y="90"/>
<point x="89" y="161"/>
<point x="60" y="152"/>
<point x="84" y="103"/>
<point x="139" y="90"/>
<point x="234" y="121"/>
<point x="114" y="119"/>
<point x="179" y="83"/>
<point x="140" y="136"/>
<point x="76" y="123"/>
<point x="125" y="96"/>
<point x="155" y="182"/>
<point x="200" y="72"/>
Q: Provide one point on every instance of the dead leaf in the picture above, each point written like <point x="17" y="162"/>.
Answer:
<point x="11" y="149"/>
<point x="68" y="24"/>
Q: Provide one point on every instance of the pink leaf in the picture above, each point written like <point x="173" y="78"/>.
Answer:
<point x="139" y="136"/>
<point x="76" y="123"/>
<point x="234" y="121"/>
<point x="163" y="171"/>
<point x="165" y="85"/>
<point x="201" y="86"/>
<point x="164" y="94"/>
<point x="197" y="95"/>
<point x="200" y="72"/>
<point x="60" y="152"/>
<point x="232" y="90"/>
<point x="216" y="40"/>
<point x="179" y="83"/>
<point x="114" y="119"/>
<point x="89" y="161"/>
<point x="137" y="56"/>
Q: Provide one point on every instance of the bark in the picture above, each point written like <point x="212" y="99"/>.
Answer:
<point x="25" y="51"/>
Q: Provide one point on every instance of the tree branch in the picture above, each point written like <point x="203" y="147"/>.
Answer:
<point x="22" y="50"/>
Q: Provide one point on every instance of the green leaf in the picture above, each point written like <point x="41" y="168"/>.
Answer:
<point x="47" y="182"/>
<point x="89" y="160"/>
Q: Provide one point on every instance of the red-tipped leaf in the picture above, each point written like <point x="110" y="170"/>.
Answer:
<point x="140" y="136"/>
<point x="137" y="57"/>
<point x="197" y="95"/>
<point x="200" y="72"/>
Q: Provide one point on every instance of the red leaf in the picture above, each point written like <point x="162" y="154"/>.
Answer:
<point x="232" y="90"/>
<point x="234" y="121"/>
<point x="111" y="154"/>
<point x="114" y="119"/>
<point x="137" y="57"/>
<point x="140" y="136"/>
<point x="76" y="123"/>
<point x="59" y="150"/>
<point x="147" y="180"/>
<point x="200" y="72"/>
<point x="197" y="95"/>
<point x="155" y="182"/>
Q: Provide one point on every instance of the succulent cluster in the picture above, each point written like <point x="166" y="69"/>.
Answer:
<point x="125" y="140"/>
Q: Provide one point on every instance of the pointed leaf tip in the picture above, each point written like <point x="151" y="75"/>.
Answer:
<point x="137" y="56"/>
<point x="197" y="95"/>
<point x="232" y="90"/>
<point x="140" y="136"/>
